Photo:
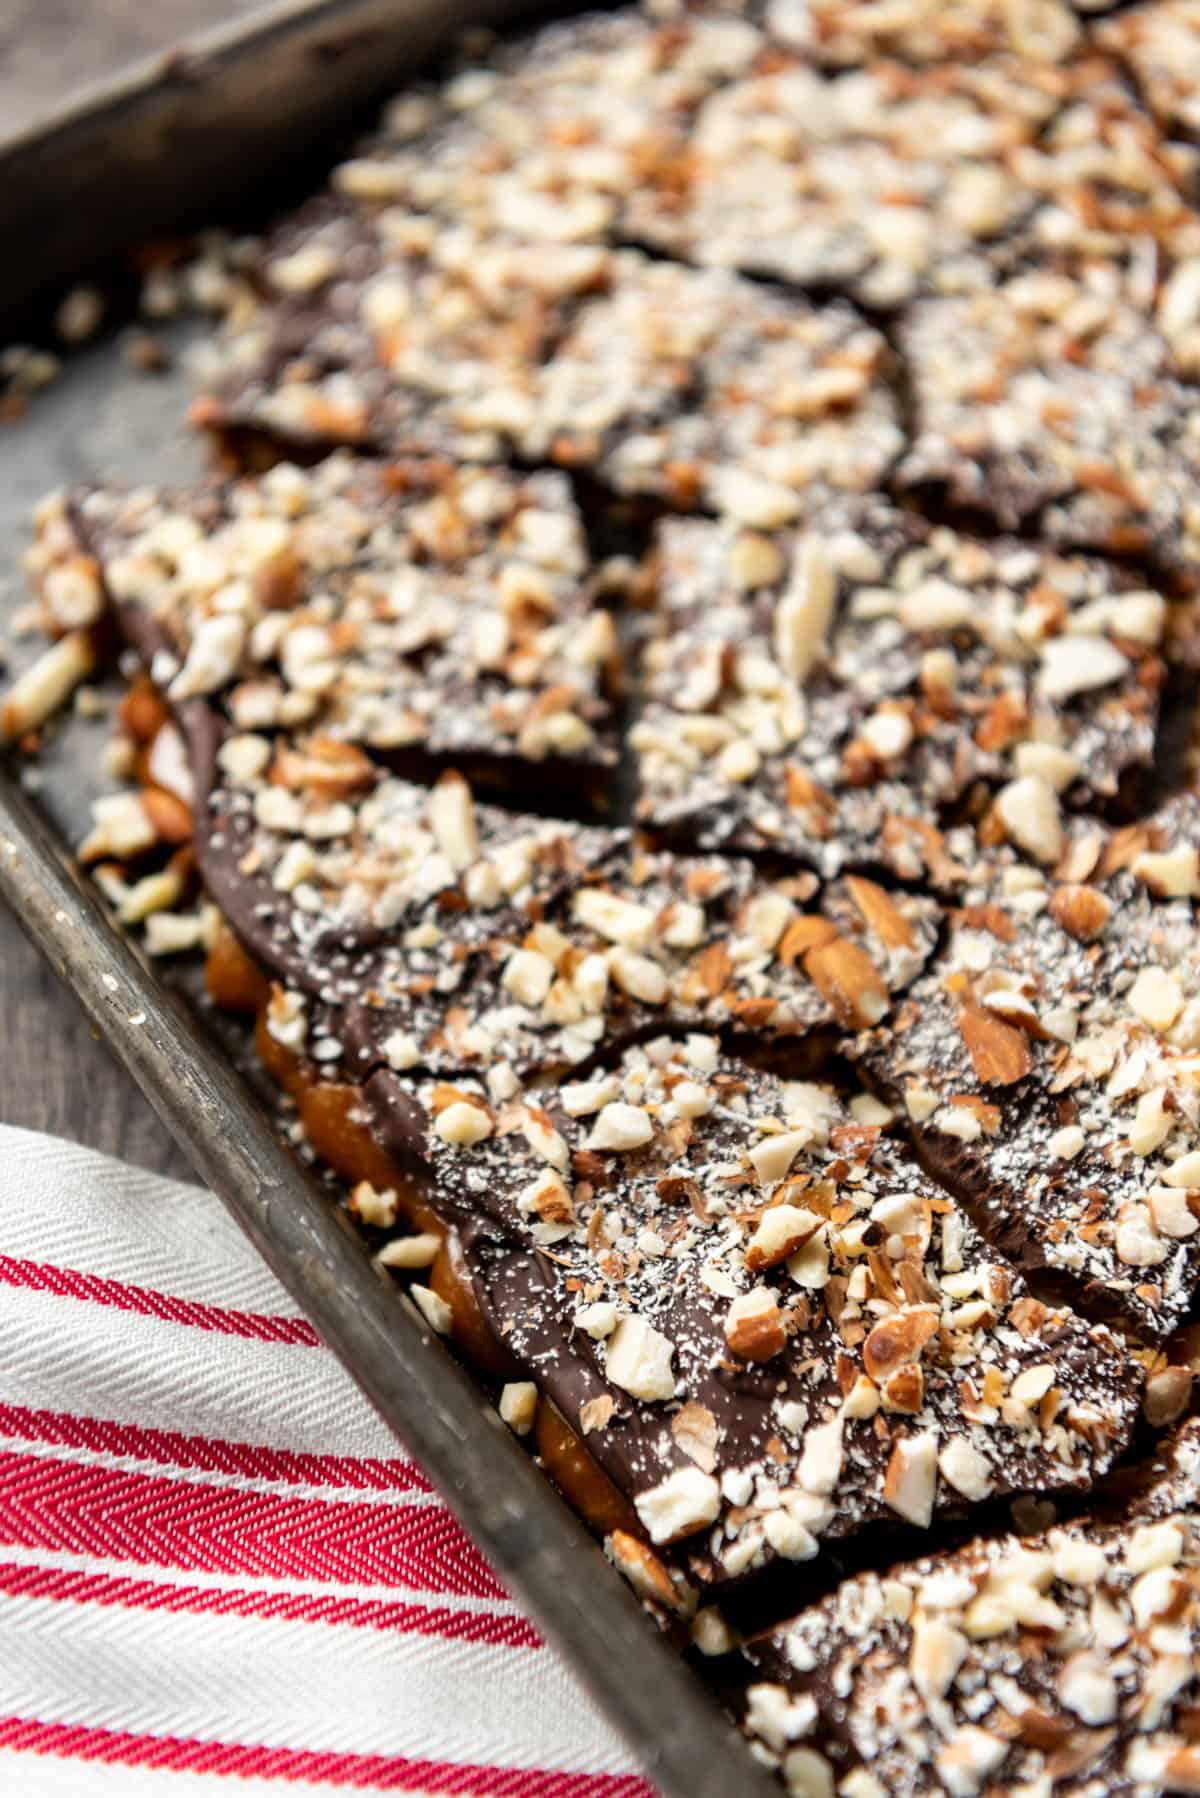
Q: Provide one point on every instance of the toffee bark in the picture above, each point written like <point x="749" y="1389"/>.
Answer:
<point x="837" y="695"/>
<point x="1065" y="1661"/>
<point x="766" y="1323"/>
<point x="408" y="610"/>
<point x="1049" y="1064"/>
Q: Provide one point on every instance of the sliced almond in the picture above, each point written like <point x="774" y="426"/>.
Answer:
<point x="803" y="934"/>
<point x="999" y="1053"/>
<point x="695" y="1430"/>
<point x="849" y="982"/>
<point x="881" y="912"/>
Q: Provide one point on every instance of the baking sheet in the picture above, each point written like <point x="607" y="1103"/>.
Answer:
<point x="103" y="420"/>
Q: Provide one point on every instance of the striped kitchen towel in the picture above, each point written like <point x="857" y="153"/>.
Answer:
<point x="218" y="1571"/>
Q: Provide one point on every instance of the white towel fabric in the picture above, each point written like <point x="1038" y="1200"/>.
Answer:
<point x="219" y="1573"/>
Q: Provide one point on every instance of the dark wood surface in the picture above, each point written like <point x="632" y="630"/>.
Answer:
<point x="55" y="1074"/>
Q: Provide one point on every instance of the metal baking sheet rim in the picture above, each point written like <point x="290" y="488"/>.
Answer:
<point x="532" y="1539"/>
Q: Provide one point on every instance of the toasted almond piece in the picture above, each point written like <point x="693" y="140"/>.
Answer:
<point x="805" y="609"/>
<point x="849" y="982"/>
<point x="463" y="1124"/>
<point x="374" y="1207"/>
<point x="1167" y="1396"/>
<point x="911" y="1480"/>
<point x="683" y="1503"/>
<point x="1029" y="811"/>
<point x="644" y="1571"/>
<point x="639" y="1359"/>
<point x="781" y="1231"/>
<point x="999" y="1054"/>
<point x="898" y="1339"/>
<point x="937" y="1653"/>
<point x="38" y="693"/>
<point x="171" y="818"/>
<point x="1083" y="911"/>
<point x="695" y="1430"/>
<point x="774" y="1155"/>
<point x="434" y="1309"/>
<point x="754" y="1325"/>
<point x="596" y="1414"/>
<point x="621" y="1127"/>
<point x="452" y="818"/>
<point x="1171" y="874"/>
<point x="421" y="1250"/>
<point x="803" y="934"/>
<point x="881" y="912"/>
<point x="153" y="893"/>
<point x="518" y="1406"/>
<point x="904" y="1390"/>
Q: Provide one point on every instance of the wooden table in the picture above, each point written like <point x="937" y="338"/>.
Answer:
<point x="55" y="1075"/>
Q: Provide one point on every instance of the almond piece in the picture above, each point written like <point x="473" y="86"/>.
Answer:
<point x="683" y="1503"/>
<point x="904" y="1390"/>
<point x="805" y="609"/>
<point x="47" y="684"/>
<point x="754" y="1325"/>
<point x="695" y="1431"/>
<point x="803" y="934"/>
<point x="518" y="1406"/>
<point x="644" y="1571"/>
<point x="452" y="819"/>
<point x="849" y="982"/>
<point x="999" y="1054"/>
<point x="1083" y="911"/>
<point x="896" y="1340"/>
<point x="1171" y="874"/>
<point x="1029" y="811"/>
<point x="781" y="1231"/>
<point x="880" y="912"/>
<point x="911" y="1480"/>
<point x="639" y="1359"/>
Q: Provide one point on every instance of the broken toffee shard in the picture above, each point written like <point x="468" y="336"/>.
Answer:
<point x="762" y="1319"/>
<point x="1065" y="1661"/>
<point x="837" y="694"/>
<point x="433" y="932"/>
<point x="1049" y="1064"/>
<point x="410" y="610"/>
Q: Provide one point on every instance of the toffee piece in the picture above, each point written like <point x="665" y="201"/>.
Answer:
<point x="1049" y="1064"/>
<point x="834" y="695"/>
<point x="767" y="1324"/>
<point x="1056" y="402"/>
<point x="416" y="928"/>
<point x="878" y="183"/>
<point x="405" y="610"/>
<point x="691" y="385"/>
<point x="1064" y="1661"/>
